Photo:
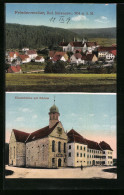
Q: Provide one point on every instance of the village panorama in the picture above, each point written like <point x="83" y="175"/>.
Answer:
<point x="69" y="57"/>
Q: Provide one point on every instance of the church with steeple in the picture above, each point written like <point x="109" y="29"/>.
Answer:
<point x="52" y="147"/>
<point x="46" y="147"/>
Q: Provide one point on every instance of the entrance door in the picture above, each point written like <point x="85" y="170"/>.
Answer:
<point x="93" y="162"/>
<point x="59" y="162"/>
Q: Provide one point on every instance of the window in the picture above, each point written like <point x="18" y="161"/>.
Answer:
<point x="64" y="147"/>
<point x="88" y="156"/>
<point x="80" y="154"/>
<point x="92" y="151"/>
<point x="69" y="154"/>
<point x="84" y="148"/>
<point x="80" y="147"/>
<point x="59" y="146"/>
<point x="14" y="151"/>
<point x="53" y="160"/>
<point x="92" y="156"/>
<point x="77" y="147"/>
<point x="77" y="154"/>
<point x="53" y="146"/>
<point x="84" y="154"/>
<point x="69" y="146"/>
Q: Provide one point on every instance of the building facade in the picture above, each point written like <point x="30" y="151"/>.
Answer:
<point x="52" y="147"/>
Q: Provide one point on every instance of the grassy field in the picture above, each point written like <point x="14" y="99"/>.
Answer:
<point x="104" y="41"/>
<point x="61" y="82"/>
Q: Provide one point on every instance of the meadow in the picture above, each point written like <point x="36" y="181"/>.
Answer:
<point x="42" y="82"/>
<point x="106" y="42"/>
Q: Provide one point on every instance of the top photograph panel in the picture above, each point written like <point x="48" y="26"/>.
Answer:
<point x="60" y="47"/>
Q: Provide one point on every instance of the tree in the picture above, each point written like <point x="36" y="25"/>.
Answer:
<point x="48" y="67"/>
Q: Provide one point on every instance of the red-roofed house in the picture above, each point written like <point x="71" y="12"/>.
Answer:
<point x="76" y="58"/>
<point x="31" y="53"/>
<point x="14" y="69"/>
<point x="103" y="51"/>
<point x="39" y="59"/>
<point x="60" y="56"/>
<point x="111" y="55"/>
<point x="12" y="56"/>
<point x="24" y="58"/>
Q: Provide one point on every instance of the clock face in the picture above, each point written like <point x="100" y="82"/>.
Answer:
<point x="59" y="129"/>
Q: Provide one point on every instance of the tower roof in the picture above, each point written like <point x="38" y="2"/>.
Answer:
<point x="54" y="109"/>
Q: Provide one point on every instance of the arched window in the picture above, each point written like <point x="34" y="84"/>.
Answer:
<point x="59" y="146"/>
<point x="53" y="146"/>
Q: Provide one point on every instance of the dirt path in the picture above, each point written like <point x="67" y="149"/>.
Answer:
<point x="88" y="172"/>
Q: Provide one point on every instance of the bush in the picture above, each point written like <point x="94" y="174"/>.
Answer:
<point x="58" y="67"/>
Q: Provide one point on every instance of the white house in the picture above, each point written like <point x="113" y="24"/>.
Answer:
<point x="25" y="49"/>
<point x="12" y="56"/>
<point x="39" y="59"/>
<point x="31" y="53"/>
<point x="24" y="58"/>
<point x="76" y="58"/>
<point x="111" y="55"/>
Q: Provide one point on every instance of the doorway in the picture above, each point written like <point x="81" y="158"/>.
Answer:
<point x="93" y="162"/>
<point x="59" y="162"/>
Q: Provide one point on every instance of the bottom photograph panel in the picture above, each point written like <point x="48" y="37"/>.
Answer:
<point x="52" y="135"/>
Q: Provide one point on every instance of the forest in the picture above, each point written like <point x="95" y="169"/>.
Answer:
<point x="39" y="37"/>
<point x="35" y="37"/>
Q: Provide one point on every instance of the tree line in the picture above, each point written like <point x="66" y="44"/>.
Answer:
<point x="19" y="36"/>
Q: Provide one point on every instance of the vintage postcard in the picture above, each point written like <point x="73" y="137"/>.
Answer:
<point x="61" y="47"/>
<point x="60" y="83"/>
<point x="61" y="136"/>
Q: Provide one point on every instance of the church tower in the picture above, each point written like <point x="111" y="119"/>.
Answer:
<point x="53" y="115"/>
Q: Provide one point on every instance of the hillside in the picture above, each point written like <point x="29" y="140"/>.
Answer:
<point x="19" y="36"/>
<point x="94" y="33"/>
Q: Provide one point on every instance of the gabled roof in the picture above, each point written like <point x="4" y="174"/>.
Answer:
<point x="63" y="44"/>
<point x="38" y="57"/>
<point x="13" y="69"/>
<point x="23" y="57"/>
<point x="41" y="133"/>
<point x="106" y="49"/>
<point x="105" y="146"/>
<point x="56" y="58"/>
<point x="11" y="54"/>
<point x="20" y="135"/>
<point x="51" y="53"/>
<point x="89" y="57"/>
<point x="91" y="44"/>
<point x="29" y="52"/>
<point x="76" y="44"/>
<point x="61" y="53"/>
<point x="73" y="136"/>
<point x="77" y="55"/>
<point x="114" y="52"/>
<point x="93" y="145"/>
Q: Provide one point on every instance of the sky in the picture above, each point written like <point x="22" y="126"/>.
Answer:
<point x="62" y="15"/>
<point x="91" y="115"/>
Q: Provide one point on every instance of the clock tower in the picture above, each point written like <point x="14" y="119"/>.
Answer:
<point x="53" y="115"/>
